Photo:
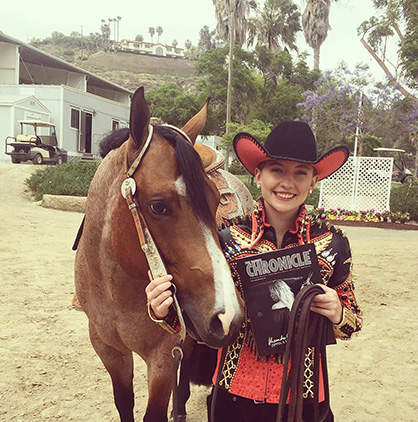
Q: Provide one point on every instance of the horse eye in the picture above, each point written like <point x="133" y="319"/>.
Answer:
<point x="158" y="207"/>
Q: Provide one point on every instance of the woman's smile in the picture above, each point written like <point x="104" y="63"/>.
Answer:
<point x="285" y="196"/>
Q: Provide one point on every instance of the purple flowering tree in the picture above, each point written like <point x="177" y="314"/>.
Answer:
<point x="343" y="99"/>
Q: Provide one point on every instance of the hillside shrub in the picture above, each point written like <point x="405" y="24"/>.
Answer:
<point x="71" y="178"/>
<point x="404" y="199"/>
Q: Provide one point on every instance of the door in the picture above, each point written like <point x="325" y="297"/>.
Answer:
<point x="86" y="132"/>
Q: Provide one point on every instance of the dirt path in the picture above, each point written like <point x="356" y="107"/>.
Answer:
<point x="50" y="371"/>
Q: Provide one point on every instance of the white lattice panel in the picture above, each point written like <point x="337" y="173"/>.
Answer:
<point x="363" y="183"/>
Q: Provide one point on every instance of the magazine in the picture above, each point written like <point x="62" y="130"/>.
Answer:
<point x="270" y="282"/>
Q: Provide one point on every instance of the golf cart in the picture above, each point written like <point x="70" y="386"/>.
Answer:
<point x="36" y="142"/>
<point x="400" y="172"/>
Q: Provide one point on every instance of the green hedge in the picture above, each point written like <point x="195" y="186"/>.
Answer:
<point x="71" y="178"/>
<point x="74" y="178"/>
<point x="404" y="199"/>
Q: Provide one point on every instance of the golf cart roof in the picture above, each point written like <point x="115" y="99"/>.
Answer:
<point x="38" y="123"/>
<point x="388" y="150"/>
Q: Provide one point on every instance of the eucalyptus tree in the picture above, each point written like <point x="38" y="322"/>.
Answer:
<point x="276" y="26"/>
<point x="315" y="22"/>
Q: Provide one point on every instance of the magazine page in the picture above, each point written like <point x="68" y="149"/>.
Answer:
<point x="270" y="283"/>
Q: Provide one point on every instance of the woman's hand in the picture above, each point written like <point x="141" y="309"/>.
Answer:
<point x="328" y="305"/>
<point x="158" y="294"/>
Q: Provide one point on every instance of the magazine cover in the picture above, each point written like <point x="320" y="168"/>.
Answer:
<point x="270" y="283"/>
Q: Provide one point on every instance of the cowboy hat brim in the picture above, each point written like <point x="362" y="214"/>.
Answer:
<point x="251" y="153"/>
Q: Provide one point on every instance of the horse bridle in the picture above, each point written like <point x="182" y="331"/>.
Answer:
<point x="148" y="246"/>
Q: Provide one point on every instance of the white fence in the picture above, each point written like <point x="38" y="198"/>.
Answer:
<point x="362" y="183"/>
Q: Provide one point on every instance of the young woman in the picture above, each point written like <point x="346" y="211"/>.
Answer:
<point x="287" y="169"/>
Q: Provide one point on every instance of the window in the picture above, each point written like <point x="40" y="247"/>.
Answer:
<point x="169" y="49"/>
<point x="75" y="118"/>
<point x="115" y="125"/>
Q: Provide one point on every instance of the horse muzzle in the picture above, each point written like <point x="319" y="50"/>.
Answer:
<point x="217" y="333"/>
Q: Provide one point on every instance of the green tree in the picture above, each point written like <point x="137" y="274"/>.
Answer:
<point x="188" y="44"/>
<point x="174" y="43"/>
<point x="214" y="69"/>
<point x="257" y="128"/>
<point x="276" y="26"/>
<point x="409" y="47"/>
<point x="206" y="41"/>
<point x="139" y="38"/>
<point x="384" y="29"/>
<point x="170" y="104"/>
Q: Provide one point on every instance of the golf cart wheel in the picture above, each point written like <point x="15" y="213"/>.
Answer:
<point x="59" y="160"/>
<point x="37" y="159"/>
<point x="15" y="160"/>
<point x="408" y="179"/>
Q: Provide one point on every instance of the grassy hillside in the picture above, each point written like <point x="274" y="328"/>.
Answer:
<point x="133" y="70"/>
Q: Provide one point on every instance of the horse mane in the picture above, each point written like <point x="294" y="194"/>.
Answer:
<point x="113" y="140"/>
<point x="191" y="168"/>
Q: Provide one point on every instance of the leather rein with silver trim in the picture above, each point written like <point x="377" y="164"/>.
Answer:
<point x="148" y="246"/>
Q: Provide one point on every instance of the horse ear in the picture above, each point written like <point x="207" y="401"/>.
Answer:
<point x="195" y="125"/>
<point x="139" y="118"/>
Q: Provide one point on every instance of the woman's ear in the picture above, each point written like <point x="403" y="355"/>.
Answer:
<point x="257" y="174"/>
<point x="314" y="181"/>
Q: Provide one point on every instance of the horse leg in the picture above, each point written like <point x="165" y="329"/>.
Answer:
<point x="159" y="387"/>
<point x="120" y="368"/>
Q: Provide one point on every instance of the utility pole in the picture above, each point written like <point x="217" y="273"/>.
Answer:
<point x="230" y="70"/>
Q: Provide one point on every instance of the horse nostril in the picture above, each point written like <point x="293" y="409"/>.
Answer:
<point x="215" y="327"/>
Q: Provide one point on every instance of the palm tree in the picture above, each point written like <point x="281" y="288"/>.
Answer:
<point x="151" y="31"/>
<point x="231" y="16"/>
<point x="159" y="31"/>
<point x="277" y="24"/>
<point x="315" y="22"/>
<point x="118" y="19"/>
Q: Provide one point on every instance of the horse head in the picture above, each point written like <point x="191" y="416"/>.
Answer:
<point x="179" y="202"/>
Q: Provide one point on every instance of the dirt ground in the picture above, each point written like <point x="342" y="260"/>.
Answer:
<point x="49" y="371"/>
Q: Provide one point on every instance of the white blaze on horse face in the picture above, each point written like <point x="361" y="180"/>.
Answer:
<point x="226" y="296"/>
<point x="225" y="293"/>
<point x="180" y="186"/>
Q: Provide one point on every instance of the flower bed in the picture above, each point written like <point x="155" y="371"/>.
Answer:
<point x="370" y="216"/>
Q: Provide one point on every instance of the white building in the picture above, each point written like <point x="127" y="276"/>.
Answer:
<point x="158" y="49"/>
<point x="38" y="86"/>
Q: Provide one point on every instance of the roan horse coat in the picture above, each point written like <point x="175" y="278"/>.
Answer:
<point x="179" y="203"/>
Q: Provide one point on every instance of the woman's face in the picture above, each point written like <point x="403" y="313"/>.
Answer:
<point x="285" y="185"/>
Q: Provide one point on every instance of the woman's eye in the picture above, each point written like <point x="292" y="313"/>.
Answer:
<point x="160" y="208"/>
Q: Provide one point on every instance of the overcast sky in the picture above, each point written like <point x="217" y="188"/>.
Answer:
<point x="180" y="20"/>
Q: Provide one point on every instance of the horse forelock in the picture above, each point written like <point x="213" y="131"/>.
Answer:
<point x="194" y="177"/>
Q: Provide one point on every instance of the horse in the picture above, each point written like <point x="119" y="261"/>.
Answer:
<point x="178" y="202"/>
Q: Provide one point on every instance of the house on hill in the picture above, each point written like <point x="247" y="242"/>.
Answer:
<point x="158" y="49"/>
<point x="35" y="85"/>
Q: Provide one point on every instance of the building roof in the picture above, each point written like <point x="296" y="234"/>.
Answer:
<point x="30" y="54"/>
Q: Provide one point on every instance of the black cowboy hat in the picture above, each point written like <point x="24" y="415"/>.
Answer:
<point x="290" y="140"/>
